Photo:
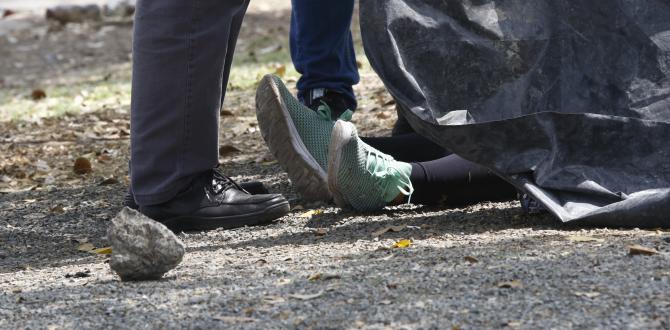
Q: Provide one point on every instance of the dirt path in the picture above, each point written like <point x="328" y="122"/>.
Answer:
<point x="486" y="266"/>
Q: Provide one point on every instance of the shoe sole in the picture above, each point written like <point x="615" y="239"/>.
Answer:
<point x="282" y="137"/>
<point x="339" y="138"/>
<point x="262" y="217"/>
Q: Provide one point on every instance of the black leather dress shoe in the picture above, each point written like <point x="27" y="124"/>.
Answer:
<point x="251" y="187"/>
<point x="215" y="201"/>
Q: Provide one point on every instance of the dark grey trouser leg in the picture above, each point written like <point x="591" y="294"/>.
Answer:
<point x="232" y="42"/>
<point x="180" y="53"/>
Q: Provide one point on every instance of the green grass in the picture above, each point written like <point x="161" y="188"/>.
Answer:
<point x="86" y="93"/>
<point x="93" y="91"/>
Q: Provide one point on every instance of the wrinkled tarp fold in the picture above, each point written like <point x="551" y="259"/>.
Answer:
<point x="567" y="99"/>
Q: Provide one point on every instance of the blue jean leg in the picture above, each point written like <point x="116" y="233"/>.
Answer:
<point x="322" y="47"/>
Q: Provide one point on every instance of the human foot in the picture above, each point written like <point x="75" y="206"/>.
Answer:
<point x="212" y="201"/>
<point x="362" y="177"/>
<point x="297" y="136"/>
<point x="251" y="187"/>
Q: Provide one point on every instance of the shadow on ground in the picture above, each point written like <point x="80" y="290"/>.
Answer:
<point x="41" y="229"/>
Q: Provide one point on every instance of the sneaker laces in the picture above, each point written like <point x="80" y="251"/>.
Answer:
<point x="324" y="111"/>
<point x="381" y="167"/>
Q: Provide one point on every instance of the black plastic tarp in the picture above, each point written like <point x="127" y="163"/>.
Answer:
<point x="567" y="99"/>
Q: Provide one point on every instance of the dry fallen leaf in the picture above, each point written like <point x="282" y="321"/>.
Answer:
<point x="104" y="158"/>
<point x="227" y="150"/>
<point x="383" y="115"/>
<point x="86" y="247"/>
<point x="389" y="103"/>
<point x="584" y="239"/>
<point x="58" y="209"/>
<point x="38" y="94"/>
<point x="401" y="244"/>
<point x="109" y="181"/>
<point x="384" y="230"/>
<point x="280" y="70"/>
<point x="82" y="166"/>
<point x="103" y="250"/>
<point x="323" y="277"/>
<point x="471" y="259"/>
<point x="226" y="113"/>
<point x="510" y="284"/>
<point x="310" y="213"/>
<point x="307" y="296"/>
<point x="248" y="311"/>
<point x="641" y="250"/>
<point x="331" y="276"/>
<point x="7" y="13"/>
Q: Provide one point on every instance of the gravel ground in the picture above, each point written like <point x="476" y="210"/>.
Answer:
<point x="484" y="266"/>
<point x="487" y="265"/>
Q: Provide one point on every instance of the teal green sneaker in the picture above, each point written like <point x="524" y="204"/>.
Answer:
<point x="297" y="136"/>
<point x="362" y="177"/>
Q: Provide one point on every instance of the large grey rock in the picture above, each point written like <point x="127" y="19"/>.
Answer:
<point x="143" y="249"/>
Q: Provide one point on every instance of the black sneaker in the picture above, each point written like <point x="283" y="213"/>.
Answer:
<point x="335" y="101"/>
<point x="215" y="201"/>
<point x="251" y="187"/>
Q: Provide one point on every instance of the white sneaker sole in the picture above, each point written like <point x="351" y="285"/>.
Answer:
<point x="341" y="135"/>
<point x="282" y="137"/>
